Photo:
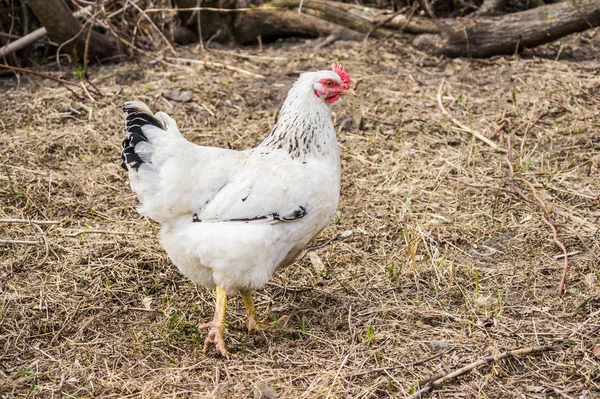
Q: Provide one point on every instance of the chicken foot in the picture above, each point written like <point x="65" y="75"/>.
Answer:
<point x="216" y="326"/>
<point x="251" y="310"/>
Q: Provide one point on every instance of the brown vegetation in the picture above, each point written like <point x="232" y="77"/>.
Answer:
<point x="447" y="264"/>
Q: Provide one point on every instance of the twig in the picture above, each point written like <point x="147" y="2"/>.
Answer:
<point x="249" y="56"/>
<point x="10" y="182"/>
<point x="199" y="24"/>
<point x="38" y="74"/>
<point x="484" y="360"/>
<point x="202" y="9"/>
<point x="217" y="65"/>
<point x="426" y="8"/>
<point x="126" y="233"/>
<point x="22" y="242"/>
<point x="46" y="245"/>
<point x="87" y="43"/>
<point x="162" y="36"/>
<point x="27" y="221"/>
<point x="410" y="15"/>
<point x="464" y="127"/>
<point x="342" y="236"/>
<point x="383" y="22"/>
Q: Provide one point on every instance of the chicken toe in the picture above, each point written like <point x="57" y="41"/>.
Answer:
<point x="216" y="326"/>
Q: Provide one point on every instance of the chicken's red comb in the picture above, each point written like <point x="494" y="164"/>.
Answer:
<point x="339" y="69"/>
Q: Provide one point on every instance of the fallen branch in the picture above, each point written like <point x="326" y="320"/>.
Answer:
<point x="515" y="31"/>
<point x="483" y="361"/>
<point x="462" y="127"/>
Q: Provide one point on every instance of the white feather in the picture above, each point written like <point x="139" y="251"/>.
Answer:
<point x="179" y="182"/>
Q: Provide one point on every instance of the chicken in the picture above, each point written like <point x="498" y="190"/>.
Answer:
<point x="230" y="218"/>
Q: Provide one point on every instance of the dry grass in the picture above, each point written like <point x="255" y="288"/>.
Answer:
<point x="445" y="257"/>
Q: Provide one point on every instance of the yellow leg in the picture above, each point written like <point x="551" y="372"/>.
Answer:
<point x="216" y="326"/>
<point x="250" y="309"/>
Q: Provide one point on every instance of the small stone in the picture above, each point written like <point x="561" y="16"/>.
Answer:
<point x="181" y="96"/>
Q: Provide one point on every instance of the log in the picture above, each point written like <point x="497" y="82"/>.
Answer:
<point x="485" y="37"/>
<point x="358" y="18"/>
<point x="64" y="27"/>
<point x="272" y="24"/>
<point x="280" y="19"/>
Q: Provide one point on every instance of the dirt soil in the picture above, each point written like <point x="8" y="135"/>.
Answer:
<point x="450" y="258"/>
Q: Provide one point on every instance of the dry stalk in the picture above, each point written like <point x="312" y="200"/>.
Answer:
<point x="19" y="242"/>
<point x="87" y="42"/>
<point x="381" y="23"/>
<point x="200" y="9"/>
<point x="463" y="127"/>
<point x="125" y="233"/>
<point x="160" y="34"/>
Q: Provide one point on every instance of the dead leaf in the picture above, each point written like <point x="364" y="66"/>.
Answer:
<point x="263" y="391"/>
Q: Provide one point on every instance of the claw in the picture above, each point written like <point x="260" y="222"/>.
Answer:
<point x="215" y="327"/>
<point x="215" y="336"/>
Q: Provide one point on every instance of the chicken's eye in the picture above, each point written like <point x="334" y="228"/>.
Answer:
<point x="329" y="83"/>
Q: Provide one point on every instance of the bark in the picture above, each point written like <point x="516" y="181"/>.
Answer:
<point x="272" y="24"/>
<point x="514" y="32"/>
<point x="62" y="26"/>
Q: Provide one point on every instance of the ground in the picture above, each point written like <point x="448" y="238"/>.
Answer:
<point x="447" y="262"/>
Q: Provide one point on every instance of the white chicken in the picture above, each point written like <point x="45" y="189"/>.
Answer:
<point x="229" y="218"/>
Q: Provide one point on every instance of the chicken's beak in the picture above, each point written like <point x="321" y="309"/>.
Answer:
<point x="347" y="92"/>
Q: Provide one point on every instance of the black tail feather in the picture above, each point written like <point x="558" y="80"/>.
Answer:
<point x="135" y="120"/>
